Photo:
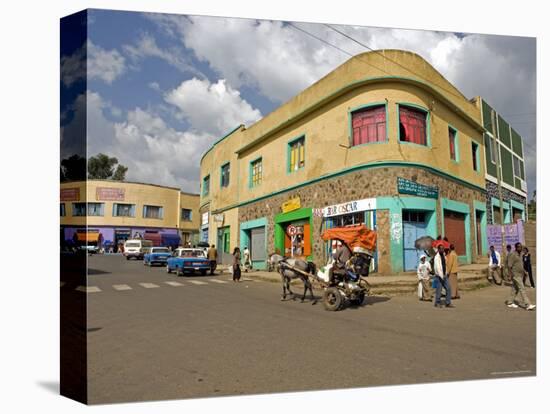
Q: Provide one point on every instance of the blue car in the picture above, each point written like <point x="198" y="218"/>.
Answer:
<point x="156" y="255"/>
<point x="188" y="261"/>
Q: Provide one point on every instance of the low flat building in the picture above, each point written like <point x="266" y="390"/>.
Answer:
<point x="109" y="212"/>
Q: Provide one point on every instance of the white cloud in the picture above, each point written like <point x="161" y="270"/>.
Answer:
<point x="280" y="61"/>
<point x="147" y="47"/>
<point x="214" y="108"/>
<point x="106" y="65"/>
<point x="153" y="151"/>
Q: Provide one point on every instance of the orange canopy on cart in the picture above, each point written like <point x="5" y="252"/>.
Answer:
<point x="354" y="237"/>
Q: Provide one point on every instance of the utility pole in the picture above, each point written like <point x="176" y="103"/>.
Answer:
<point x="499" y="178"/>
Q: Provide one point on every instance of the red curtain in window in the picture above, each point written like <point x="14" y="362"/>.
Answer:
<point x="452" y="144"/>
<point x="369" y="125"/>
<point x="413" y="125"/>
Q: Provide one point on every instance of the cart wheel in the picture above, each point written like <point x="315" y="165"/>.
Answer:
<point x="332" y="299"/>
<point x="358" y="301"/>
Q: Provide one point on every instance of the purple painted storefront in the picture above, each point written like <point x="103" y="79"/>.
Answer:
<point x="112" y="236"/>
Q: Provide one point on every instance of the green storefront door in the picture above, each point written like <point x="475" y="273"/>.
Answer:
<point x="223" y="239"/>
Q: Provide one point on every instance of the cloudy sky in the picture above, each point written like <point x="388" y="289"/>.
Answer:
<point x="162" y="88"/>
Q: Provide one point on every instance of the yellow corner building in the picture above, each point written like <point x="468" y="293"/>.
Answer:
<point x="383" y="140"/>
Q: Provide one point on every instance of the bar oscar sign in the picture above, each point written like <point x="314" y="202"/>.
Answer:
<point x="405" y="186"/>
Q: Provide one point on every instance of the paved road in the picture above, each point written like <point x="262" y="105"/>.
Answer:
<point x="149" y="339"/>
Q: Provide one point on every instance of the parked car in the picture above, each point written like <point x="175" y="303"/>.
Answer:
<point x="186" y="260"/>
<point x="153" y="255"/>
<point x="135" y="248"/>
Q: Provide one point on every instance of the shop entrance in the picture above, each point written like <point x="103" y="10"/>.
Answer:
<point x="121" y="235"/>
<point x="414" y="226"/>
<point x="479" y="248"/>
<point x="455" y="231"/>
<point x="223" y="240"/>
<point x="298" y="245"/>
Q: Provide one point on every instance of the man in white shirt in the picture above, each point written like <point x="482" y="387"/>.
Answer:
<point x="495" y="266"/>
<point x="423" y="273"/>
<point x="442" y="277"/>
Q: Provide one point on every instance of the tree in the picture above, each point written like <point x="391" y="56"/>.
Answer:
<point x="101" y="167"/>
<point x="73" y="168"/>
<point x="120" y="173"/>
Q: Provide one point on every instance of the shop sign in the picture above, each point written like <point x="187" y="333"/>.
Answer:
<point x="291" y="205"/>
<point x="205" y="218"/>
<point x="346" y="208"/>
<point x="292" y="230"/>
<point x="218" y="218"/>
<point x="513" y="233"/>
<point x="405" y="186"/>
<point x="70" y="194"/>
<point x="109" y="194"/>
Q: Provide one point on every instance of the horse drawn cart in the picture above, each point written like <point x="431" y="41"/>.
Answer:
<point x="340" y="284"/>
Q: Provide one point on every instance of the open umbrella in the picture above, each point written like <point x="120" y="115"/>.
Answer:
<point x="444" y="243"/>
<point x="423" y="243"/>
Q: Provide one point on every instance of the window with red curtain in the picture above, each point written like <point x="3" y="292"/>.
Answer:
<point x="369" y="125"/>
<point x="412" y="125"/>
<point x="452" y="143"/>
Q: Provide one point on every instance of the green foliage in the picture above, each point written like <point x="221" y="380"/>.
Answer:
<point x="73" y="168"/>
<point x="102" y="167"/>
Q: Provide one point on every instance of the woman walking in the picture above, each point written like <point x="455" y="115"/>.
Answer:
<point x="527" y="268"/>
<point x="236" y="264"/>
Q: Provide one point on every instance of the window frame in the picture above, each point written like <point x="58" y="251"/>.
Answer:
<point x="146" y="208"/>
<point x="228" y="165"/>
<point x="477" y="167"/>
<point x="204" y="180"/>
<point x="289" y="170"/>
<point x="456" y="140"/>
<point x="73" y="209"/>
<point x="132" y="210"/>
<point x="101" y="210"/>
<point x="520" y="172"/>
<point x="362" y="108"/>
<point x="62" y="210"/>
<point x="190" y="214"/>
<point x="250" y="172"/>
<point x="428" y="122"/>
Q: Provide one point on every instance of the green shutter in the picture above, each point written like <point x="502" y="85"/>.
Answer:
<point x="486" y="111"/>
<point x="504" y="132"/>
<point x="507" y="166"/>
<point x="517" y="144"/>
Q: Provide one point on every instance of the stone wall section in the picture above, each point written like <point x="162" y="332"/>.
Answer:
<point x="367" y="183"/>
<point x="507" y="195"/>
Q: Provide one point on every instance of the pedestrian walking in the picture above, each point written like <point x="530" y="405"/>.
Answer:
<point x="236" y="264"/>
<point x="495" y="267"/>
<point x="518" y="289"/>
<point x="246" y="259"/>
<point x="441" y="275"/>
<point x="452" y="270"/>
<point x="423" y="272"/>
<point x="527" y="268"/>
<point x="507" y="271"/>
<point x="212" y="256"/>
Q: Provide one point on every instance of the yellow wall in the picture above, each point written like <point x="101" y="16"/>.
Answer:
<point x="327" y="127"/>
<point x="171" y="199"/>
<point x="231" y="219"/>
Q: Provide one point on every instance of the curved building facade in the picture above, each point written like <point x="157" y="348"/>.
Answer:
<point x="383" y="140"/>
<point x="108" y="212"/>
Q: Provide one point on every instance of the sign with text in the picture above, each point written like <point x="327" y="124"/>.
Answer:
<point x="109" y="194"/>
<point x="405" y="186"/>
<point x="70" y="194"/>
<point x="291" y="205"/>
<point x="513" y="233"/>
<point x="218" y="218"/>
<point x="346" y="208"/>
